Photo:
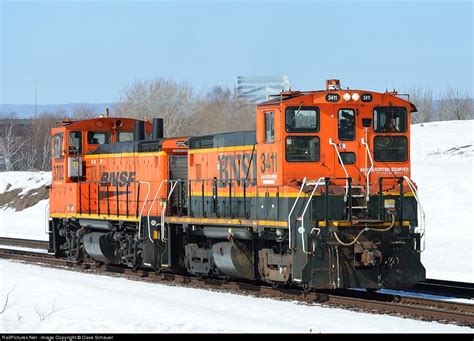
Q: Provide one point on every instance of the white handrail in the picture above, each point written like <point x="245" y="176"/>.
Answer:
<point x="304" y="212"/>
<point x="291" y="212"/>
<point x="343" y="167"/>
<point x="163" y="209"/>
<point x="143" y="207"/>
<point x="151" y="206"/>
<point x="423" y="216"/>
<point x="367" y="177"/>
<point x="46" y="213"/>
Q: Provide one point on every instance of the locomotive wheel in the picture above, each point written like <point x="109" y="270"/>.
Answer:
<point x="306" y="288"/>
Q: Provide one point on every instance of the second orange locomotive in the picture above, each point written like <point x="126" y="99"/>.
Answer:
<point x="320" y="195"/>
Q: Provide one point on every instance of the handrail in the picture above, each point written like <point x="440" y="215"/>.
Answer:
<point x="301" y="229"/>
<point x="143" y="207"/>
<point x="367" y="177"/>
<point x="290" y="232"/>
<point x="343" y="167"/>
<point x="46" y="212"/>
<point x="163" y="209"/>
<point x="423" y="216"/>
<point x="151" y="206"/>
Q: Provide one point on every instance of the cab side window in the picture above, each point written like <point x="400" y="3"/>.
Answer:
<point x="75" y="142"/>
<point x="269" y="127"/>
<point x="94" y="137"/>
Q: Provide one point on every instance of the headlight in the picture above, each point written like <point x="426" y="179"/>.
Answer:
<point x="355" y="96"/>
<point x="346" y="96"/>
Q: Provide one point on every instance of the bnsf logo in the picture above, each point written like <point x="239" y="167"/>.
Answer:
<point x="235" y="167"/>
<point x="118" y="178"/>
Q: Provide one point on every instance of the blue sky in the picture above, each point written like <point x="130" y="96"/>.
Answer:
<point x="87" y="51"/>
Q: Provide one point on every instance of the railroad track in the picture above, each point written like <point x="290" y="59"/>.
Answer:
<point x="412" y="307"/>
<point x="29" y="243"/>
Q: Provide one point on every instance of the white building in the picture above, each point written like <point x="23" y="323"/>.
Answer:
<point x="257" y="89"/>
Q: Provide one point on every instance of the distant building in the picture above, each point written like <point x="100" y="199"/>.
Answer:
<point x="257" y="89"/>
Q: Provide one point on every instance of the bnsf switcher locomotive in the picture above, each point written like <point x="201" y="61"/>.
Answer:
<point x="318" y="196"/>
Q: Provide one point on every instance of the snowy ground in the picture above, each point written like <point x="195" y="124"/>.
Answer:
<point x="442" y="155"/>
<point x="99" y="305"/>
<point x="29" y="223"/>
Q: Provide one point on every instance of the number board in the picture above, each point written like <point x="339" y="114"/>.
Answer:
<point x="366" y="97"/>
<point x="332" y="97"/>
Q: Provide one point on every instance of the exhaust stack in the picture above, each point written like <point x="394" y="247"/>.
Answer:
<point x="139" y="133"/>
<point x="158" y="132"/>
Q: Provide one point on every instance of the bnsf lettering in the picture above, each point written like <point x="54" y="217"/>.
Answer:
<point x="118" y="178"/>
<point x="235" y="167"/>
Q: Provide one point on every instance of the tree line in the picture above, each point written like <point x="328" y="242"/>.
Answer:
<point x="25" y="144"/>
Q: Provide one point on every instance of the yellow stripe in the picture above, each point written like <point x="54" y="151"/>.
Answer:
<point x="120" y="155"/>
<point x="220" y="149"/>
<point x="93" y="216"/>
<point x="223" y="221"/>
<point x="219" y="221"/>
<point x="349" y="224"/>
<point x="252" y="194"/>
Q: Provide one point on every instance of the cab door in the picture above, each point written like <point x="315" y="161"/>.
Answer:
<point x="346" y="142"/>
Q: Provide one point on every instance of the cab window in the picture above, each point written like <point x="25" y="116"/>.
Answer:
<point x="390" y="148"/>
<point x="390" y="119"/>
<point x="346" y="124"/>
<point x="302" y="119"/>
<point x="58" y="150"/>
<point x="125" y="136"/>
<point x="75" y="142"/>
<point x="94" y="137"/>
<point x="302" y="148"/>
<point x="269" y="127"/>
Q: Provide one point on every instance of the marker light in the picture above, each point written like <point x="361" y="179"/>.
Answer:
<point x="346" y="96"/>
<point x="355" y="96"/>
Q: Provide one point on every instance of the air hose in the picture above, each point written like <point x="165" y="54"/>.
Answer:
<point x="365" y="230"/>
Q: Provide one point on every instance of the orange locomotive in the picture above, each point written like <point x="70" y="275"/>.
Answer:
<point x="319" y="195"/>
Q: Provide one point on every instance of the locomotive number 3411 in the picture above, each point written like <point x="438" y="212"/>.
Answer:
<point x="268" y="162"/>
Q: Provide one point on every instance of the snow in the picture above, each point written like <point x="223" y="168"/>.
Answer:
<point x="97" y="304"/>
<point x="442" y="156"/>
<point x="21" y="248"/>
<point x="444" y="174"/>
<point x="29" y="223"/>
<point x="24" y="180"/>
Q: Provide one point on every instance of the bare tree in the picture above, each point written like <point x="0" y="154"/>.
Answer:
<point x="11" y="141"/>
<point x="43" y="314"/>
<point x="456" y="105"/>
<point x="158" y="97"/>
<point x="84" y="112"/>
<point x="423" y="100"/>
<point x="220" y="111"/>
<point x="7" y="303"/>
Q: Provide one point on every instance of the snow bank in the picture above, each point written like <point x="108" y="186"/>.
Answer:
<point x="101" y="304"/>
<point x="27" y="181"/>
<point x="30" y="222"/>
